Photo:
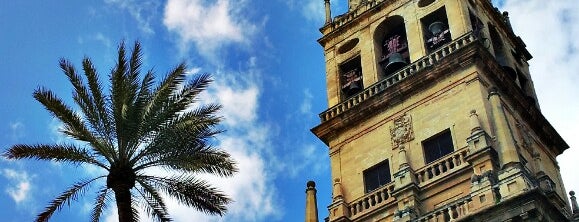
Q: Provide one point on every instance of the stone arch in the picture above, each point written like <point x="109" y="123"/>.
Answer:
<point x="391" y="45"/>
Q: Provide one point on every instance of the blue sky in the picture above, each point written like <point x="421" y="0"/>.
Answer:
<point x="269" y="75"/>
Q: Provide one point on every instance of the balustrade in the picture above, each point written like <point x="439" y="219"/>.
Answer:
<point x="398" y="76"/>
<point x="442" y="166"/>
<point x="374" y="199"/>
<point x="449" y="212"/>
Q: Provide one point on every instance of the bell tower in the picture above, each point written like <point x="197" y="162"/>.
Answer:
<point x="433" y="116"/>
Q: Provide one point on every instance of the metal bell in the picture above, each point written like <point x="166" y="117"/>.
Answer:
<point x="354" y="86"/>
<point x="395" y="62"/>
<point x="436" y="28"/>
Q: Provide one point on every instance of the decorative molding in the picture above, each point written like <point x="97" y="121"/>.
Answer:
<point x="401" y="132"/>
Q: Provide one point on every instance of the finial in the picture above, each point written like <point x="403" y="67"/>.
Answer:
<point x="574" y="206"/>
<point x="328" y="12"/>
<point x="311" y="184"/>
<point x="474" y="123"/>
<point x="493" y="91"/>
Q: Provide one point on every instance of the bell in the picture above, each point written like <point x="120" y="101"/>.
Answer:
<point x="510" y="71"/>
<point x="395" y="62"/>
<point x="354" y="86"/>
<point x="436" y="28"/>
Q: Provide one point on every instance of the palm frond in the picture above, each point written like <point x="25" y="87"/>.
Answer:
<point x="100" y="204"/>
<point x="156" y="112"/>
<point x="135" y="212"/>
<point x="71" y="193"/>
<point x="81" y="94"/>
<point x="119" y="98"/>
<point x="188" y="131"/>
<point x="60" y="153"/>
<point x="193" y="192"/>
<point x="154" y="204"/>
<point x="73" y="124"/>
<point x="194" y="160"/>
<point x="104" y="125"/>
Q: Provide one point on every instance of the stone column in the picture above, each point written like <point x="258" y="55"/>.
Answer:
<point x="311" y="202"/>
<point x="328" y="12"/>
<point x="505" y="143"/>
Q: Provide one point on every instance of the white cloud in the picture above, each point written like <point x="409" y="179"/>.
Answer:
<point x="17" y="130"/>
<point x="550" y="31"/>
<point x="106" y="41"/>
<point x="306" y="107"/>
<point x="209" y="26"/>
<point x="248" y="141"/>
<point x="193" y="71"/>
<point x="143" y="11"/>
<point x="314" y="10"/>
<point x="239" y="105"/>
<point x="19" y="186"/>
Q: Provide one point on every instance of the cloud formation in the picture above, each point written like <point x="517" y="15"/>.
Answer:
<point x="143" y="11"/>
<point x="19" y="186"/>
<point x="17" y="130"/>
<point x="208" y="26"/>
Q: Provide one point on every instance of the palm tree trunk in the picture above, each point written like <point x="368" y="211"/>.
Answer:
<point x="123" y="199"/>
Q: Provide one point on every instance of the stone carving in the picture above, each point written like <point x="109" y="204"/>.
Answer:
<point x="401" y="132"/>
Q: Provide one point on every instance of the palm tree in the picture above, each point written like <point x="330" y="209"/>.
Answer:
<point x="140" y="125"/>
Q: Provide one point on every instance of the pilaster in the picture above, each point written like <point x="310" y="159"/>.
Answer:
<point x="338" y="209"/>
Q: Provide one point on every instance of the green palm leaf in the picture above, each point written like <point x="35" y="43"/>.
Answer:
<point x="137" y="126"/>
<point x="71" y="193"/>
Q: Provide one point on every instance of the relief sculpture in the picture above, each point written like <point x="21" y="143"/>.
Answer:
<point x="401" y="132"/>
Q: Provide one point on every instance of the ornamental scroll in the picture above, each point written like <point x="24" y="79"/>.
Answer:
<point x="401" y="132"/>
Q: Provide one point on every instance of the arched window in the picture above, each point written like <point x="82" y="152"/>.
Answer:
<point x="391" y="45"/>
<point x="351" y="77"/>
<point x="500" y="55"/>
<point x="436" y="29"/>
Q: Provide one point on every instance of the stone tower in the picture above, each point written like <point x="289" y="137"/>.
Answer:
<point x="433" y="116"/>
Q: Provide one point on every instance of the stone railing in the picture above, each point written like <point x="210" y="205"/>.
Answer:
<point x="398" y="76"/>
<point x="372" y="200"/>
<point x="449" y="212"/>
<point x="442" y="166"/>
<point x="340" y="20"/>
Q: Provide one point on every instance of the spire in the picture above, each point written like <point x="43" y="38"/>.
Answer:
<point x="311" y="202"/>
<point x="328" y="11"/>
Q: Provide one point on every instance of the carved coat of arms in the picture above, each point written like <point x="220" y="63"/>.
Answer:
<point x="401" y="132"/>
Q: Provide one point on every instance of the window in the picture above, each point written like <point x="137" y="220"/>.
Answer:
<point x="437" y="146"/>
<point x="377" y="176"/>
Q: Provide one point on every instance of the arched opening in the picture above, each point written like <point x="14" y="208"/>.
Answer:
<point x="391" y="43"/>
<point x="500" y="55"/>
<point x="436" y="29"/>
<point x="351" y="77"/>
